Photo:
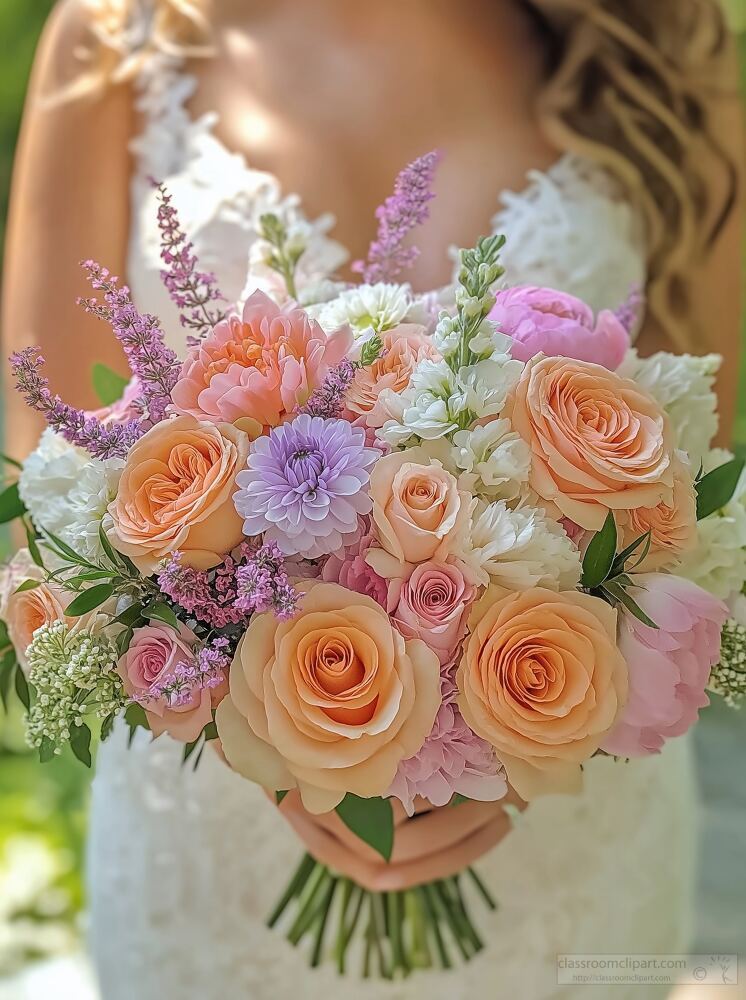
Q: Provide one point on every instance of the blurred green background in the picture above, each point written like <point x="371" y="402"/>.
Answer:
<point x="42" y="809"/>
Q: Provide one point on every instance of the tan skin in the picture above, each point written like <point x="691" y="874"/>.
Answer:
<point x="276" y="80"/>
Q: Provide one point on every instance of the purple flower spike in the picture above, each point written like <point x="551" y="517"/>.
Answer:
<point x="306" y="485"/>
<point x="402" y="212"/>
<point x="193" y="292"/>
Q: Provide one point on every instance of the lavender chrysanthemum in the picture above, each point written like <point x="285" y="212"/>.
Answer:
<point x="306" y="485"/>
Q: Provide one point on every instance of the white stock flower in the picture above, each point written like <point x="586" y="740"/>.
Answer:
<point x="487" y="383"/>
<point x="518" y="549"/>
<point x="428" y="408"/>
<point x="489" y="344"/>
<point x="376" y="307"/>
<point x="493" y="460"/>
<point x="684" y="386"/>
<point x="88" y="501"/>
<point x="47" y="478"/>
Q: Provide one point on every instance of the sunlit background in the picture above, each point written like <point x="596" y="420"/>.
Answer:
<point x="43" y="809"/>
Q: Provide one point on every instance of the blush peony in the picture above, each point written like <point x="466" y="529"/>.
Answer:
<point x="598" y="442"/>
<point x="257" y="369"/>
<point x="669" y="667"/>
<point x="545" y="321"/>
<point x="176" y="494"/>
<point x="542" y="680"/>
<point x="329" y="702"/>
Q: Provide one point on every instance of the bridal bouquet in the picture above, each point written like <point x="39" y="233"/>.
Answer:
<point x="388" y="553"/>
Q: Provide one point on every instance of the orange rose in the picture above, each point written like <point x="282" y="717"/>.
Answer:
<point x="28" y="610"/>
<point x="176" y="493"/>
<point x="542" y="680"/>
<point x="598" y="442"/>
<point x="403" y="347"/>
<point x="328" y="702"/>
<point x="418" y="510"/>
<point x="672" y="526"/>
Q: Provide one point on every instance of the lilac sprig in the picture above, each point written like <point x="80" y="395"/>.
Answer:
<point x="402" y="211"/>
<point x="234" y="590"/>
<point x="206" y="671"/>
<point x="155" y="366"/>
<point x="328" y="400"/>
<point x="76" y="426"/>
<point x="263" y="584"/>
<point x="191" y="290"/>
<point x="630" y="311"/>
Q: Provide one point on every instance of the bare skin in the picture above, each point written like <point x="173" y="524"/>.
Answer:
<point x="332" y="97"/>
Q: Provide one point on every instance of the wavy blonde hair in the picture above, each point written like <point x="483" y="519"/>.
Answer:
<point x="630" y="85"/>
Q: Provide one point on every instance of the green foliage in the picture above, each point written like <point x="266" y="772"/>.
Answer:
<point x="599" y="556"/>
<point x="370" y="819"/>
<point x="11" y="505"/>
<point x="108" y="385"/>
<point x="716" y="488"/>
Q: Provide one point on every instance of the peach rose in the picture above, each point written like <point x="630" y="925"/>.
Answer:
<point x="598" y="442"/>
<point x="403" y="347"/>
<point x="418" y="510"/>
<point x="328" y="702"/>
<point x="176" y="493"/>
<point x="260" y="366"/>
<point x="542" y="680"/>
<point x="672" y="526"/>
<point x="28" y="610"/>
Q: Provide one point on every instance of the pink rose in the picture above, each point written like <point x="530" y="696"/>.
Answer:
<point x="669" y="667"/>
<point x="432" y="605"/>
<point x="545" y="321"/>
<point x="153" y="654"/>
<point x="257" y="369"/>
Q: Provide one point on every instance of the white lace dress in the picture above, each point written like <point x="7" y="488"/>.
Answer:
<point x="184" y="866"/>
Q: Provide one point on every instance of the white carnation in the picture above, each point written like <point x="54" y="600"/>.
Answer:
<point x="47" y="478"/>
<point x="88" y="501"/>
<point x="684" y="387"/>
<point x="493" y="460"/>
<point x="518" y="549"/>
<point x="367" y="308"/>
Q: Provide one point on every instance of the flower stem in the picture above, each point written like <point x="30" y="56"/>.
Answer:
<point x="425" y="893"/>
<point x="295" y="886"/>
<point x="482" y="889"/>
<point x="324" y="907"/>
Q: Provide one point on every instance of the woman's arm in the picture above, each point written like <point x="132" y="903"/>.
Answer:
<point x="717" y="285"/>
<point x="69" y="202"/>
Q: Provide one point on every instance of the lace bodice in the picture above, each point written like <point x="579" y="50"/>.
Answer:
<point x="570" y="228"/>
<point x="185" y="866"/>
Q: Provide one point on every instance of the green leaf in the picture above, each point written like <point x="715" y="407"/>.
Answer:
<point x="7" y="666"/>
<point x="27" y="585"/>
<point x="33" y="546"/>
<point x="599" y="556"/>
<point x="624" y="555"/>
<point x="162" y="613"/>
<point x="617" y="592"/>
<point x="65" y="551"/>
<point x="108" y="385"/>
<point x="123" y="641"/>
<point x="46" y="750"/>
<point x="89" y="599"/>
<point x="106" y="545"/>
<point x="11" y="461"/>
<point x="4" y="638"/>
<point x="458" y="798"/>
<point x="11" y="505"/>
<point x="136" y="718"/>
<point x="130" y="615"/>
<point x="22" y="688"/>
<point x="107" y="725"/>
<point x="80" y="743"/>
<point x="372" y="820"/>
<point x="75" y="582"/>
<point x="716" y="488"/>
<point x="279" y="796"/>
<point x="210" y="732"/>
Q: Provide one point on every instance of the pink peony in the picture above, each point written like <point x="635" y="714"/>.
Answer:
<point x="258" y="368"/>
<point x="154" y="653"/>
<point x="669" y="667"/>
<point x="432" y="605"/>
<point x="545" y="321"/>
<point x="351" y="570"/>
<point x="453" y="760"/>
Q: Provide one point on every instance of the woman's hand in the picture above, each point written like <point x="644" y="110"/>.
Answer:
<point x="433" y="844"/>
